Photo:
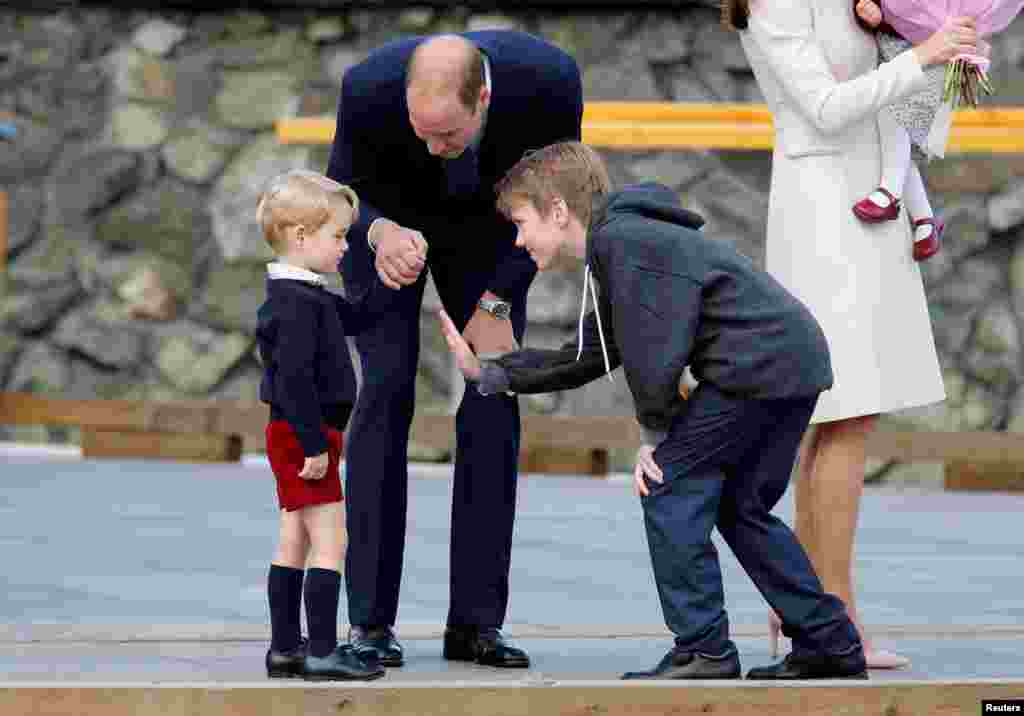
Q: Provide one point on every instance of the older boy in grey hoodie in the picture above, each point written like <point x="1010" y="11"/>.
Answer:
<point x="670" y="298"/>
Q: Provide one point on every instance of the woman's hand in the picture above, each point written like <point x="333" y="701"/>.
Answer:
<point x="959" y="36"/>
<point x="645" y="465"/>
<point x="467" y="361"/>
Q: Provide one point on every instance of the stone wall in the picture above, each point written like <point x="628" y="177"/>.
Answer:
<point x="135" y="270"/>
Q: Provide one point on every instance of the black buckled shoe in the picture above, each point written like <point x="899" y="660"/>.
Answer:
<point x="286" y="664"/>
<point x="815" y="666"/>
<point x="486" y="647"/>
<point x="342" y="664"/>
<point x="376" y="643"/>
<point x="678" y="664"/>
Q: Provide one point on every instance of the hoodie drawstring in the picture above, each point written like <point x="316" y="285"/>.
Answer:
<point x="600" y="330"/>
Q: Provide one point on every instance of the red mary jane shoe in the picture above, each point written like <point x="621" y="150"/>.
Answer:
<point x="871" y="213"/>
<point x="929" y="245"/>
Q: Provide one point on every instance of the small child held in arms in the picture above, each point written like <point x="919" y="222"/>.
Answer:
<point x="309" y="382"/>
<point x="672" y="297"/>
<point x="903" y="130"/>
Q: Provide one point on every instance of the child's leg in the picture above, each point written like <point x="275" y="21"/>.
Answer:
<point x="895" y="156"/>
<point x="765" y="546"/>
<point x="325" y="525"/>
<point x="284" y="583"/>
<point x="917" y="202"/>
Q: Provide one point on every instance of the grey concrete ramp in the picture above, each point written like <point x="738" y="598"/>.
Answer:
<point x="139" y="587"/>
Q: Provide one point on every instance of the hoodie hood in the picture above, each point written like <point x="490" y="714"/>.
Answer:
<point x="651" y="201"/>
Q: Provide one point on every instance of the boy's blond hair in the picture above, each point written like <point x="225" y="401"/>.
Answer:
<point x="301" y="198"/>
<point x="571" y="170"/>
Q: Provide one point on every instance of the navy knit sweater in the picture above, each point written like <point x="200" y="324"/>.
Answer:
<point x="308" y="378"/>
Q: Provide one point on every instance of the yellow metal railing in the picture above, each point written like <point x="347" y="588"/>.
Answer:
<point x="676" y="125"/>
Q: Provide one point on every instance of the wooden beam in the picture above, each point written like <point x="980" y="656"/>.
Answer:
<point x="973" y="476"/>
<point x="510" y="698"/>
<point x="550" y="431"/>
<point x="189" y="447"/>
<point x="726" y="126"/>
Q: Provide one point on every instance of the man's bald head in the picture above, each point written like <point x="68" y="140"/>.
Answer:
<point x="444" y="67"/>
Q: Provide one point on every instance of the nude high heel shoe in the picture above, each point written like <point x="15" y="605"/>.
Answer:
<point x="774" y="632"/>
<point x="882" y="659"/>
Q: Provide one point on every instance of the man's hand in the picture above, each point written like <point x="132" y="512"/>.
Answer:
<point x="314" y="468"/>
<point x="401" y="253"/>
<point x="489" y="336"/>
<point x="645" y="465"/>
<point x="465" y="359"/>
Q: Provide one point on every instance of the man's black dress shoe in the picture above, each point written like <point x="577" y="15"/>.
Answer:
<point x="815" y="666"/>
<point x="485" y="646"/>
<point x="342" y="664"/>
<point x="376" y="642"/>
<point x="286" y="664"/>
<point x="678" y="664"/>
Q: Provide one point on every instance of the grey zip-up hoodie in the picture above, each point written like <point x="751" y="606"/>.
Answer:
<point x="671" y="297"/>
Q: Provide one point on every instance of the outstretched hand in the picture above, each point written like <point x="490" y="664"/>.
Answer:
<point x="465" y="359"/>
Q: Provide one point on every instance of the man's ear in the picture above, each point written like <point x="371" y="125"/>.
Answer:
<point x="485" y="99"/>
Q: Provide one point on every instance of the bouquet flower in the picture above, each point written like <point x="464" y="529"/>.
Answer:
<point x="967" y="75"/>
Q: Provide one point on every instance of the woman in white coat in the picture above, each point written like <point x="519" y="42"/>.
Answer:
<point x="820" y="76"/>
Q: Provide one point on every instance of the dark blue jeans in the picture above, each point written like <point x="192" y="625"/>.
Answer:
<point x="726" y="463"/>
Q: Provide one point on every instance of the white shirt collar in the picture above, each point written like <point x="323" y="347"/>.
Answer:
<point x="279" y="269"/>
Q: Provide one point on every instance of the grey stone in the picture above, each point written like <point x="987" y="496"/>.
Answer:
<point x="673" y="170"/>
<point x="136" y="75"/>
<point x="1015" y="425"/>
<point x="32" y="313"/>
<point x="10" y="348"/>
<point x="660" y="39"/>
<point x="169" y="219"/>
<point x="108" y="344"/>
<point x="719" y="45"/>
<point x="148" y="297"/>
<point x="588" y="38"/>
<point x="687" y="86"/>
<point x="48" y="260"/>
<point x="196" y="84"/>
<point x="264" y="52"/>
<point x="554" y="299"/>
<point x="118" y="269"/>
<point x="1006" y="209"/>
<point x="232" y="204"/>
<point x="158" y="37"/>
<point x="247" y="24"/>
<point x="233" y="293"/>
<point x="138" y="126"/>
<point x="999" y="373"/>
<point x="493" y="22"/>
<point x="723" y="84"/>
<point x="255" y="100"/>
<point x="197" y="364"/>
<point x="40" y="369"/>
<point x="974" y="282"/>
<point x="1017" y="278"/>
<point x="416" y="20"/>
<point x="95" y="181"/>
<point x="336" y="63"/>
<point x="326" y="29"/>
<point x="195" y="155"/>
<point x="997" y="330"/>
<point x="30" y="152"/>
<point x="24" y="205"/>
<point x="631" y="81"/>
<point x="731" y="196"/>
<point x="952" y="326"/>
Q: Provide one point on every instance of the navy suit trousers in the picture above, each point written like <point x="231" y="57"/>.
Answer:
<point x="726" y="463"/>
<point x="487" y="448"/>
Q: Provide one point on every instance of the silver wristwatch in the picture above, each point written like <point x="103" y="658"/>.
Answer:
<point x="497" y="308"/>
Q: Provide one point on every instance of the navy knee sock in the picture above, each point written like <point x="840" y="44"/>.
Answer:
<point x="323" y="587"/>
<point x="284" y="594"/>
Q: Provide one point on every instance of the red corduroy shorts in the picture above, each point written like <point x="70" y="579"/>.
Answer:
<point x="286" y="459"/>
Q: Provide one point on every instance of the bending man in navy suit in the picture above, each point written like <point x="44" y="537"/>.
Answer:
<point x="426" y="126"/>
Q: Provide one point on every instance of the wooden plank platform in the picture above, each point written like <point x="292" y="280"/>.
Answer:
<point x="723" y="126"/>
<point x="569" y="441"/>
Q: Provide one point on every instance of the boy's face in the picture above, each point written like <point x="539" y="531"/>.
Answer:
<point x="321" y="250"/>
<point x="541" y="236"/>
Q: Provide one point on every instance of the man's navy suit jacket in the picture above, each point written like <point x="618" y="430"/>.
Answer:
<point x="537" y="100"/>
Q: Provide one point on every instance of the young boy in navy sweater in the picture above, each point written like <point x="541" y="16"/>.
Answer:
<point x="671" y="297"/>
<point x="310" y="385"/>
